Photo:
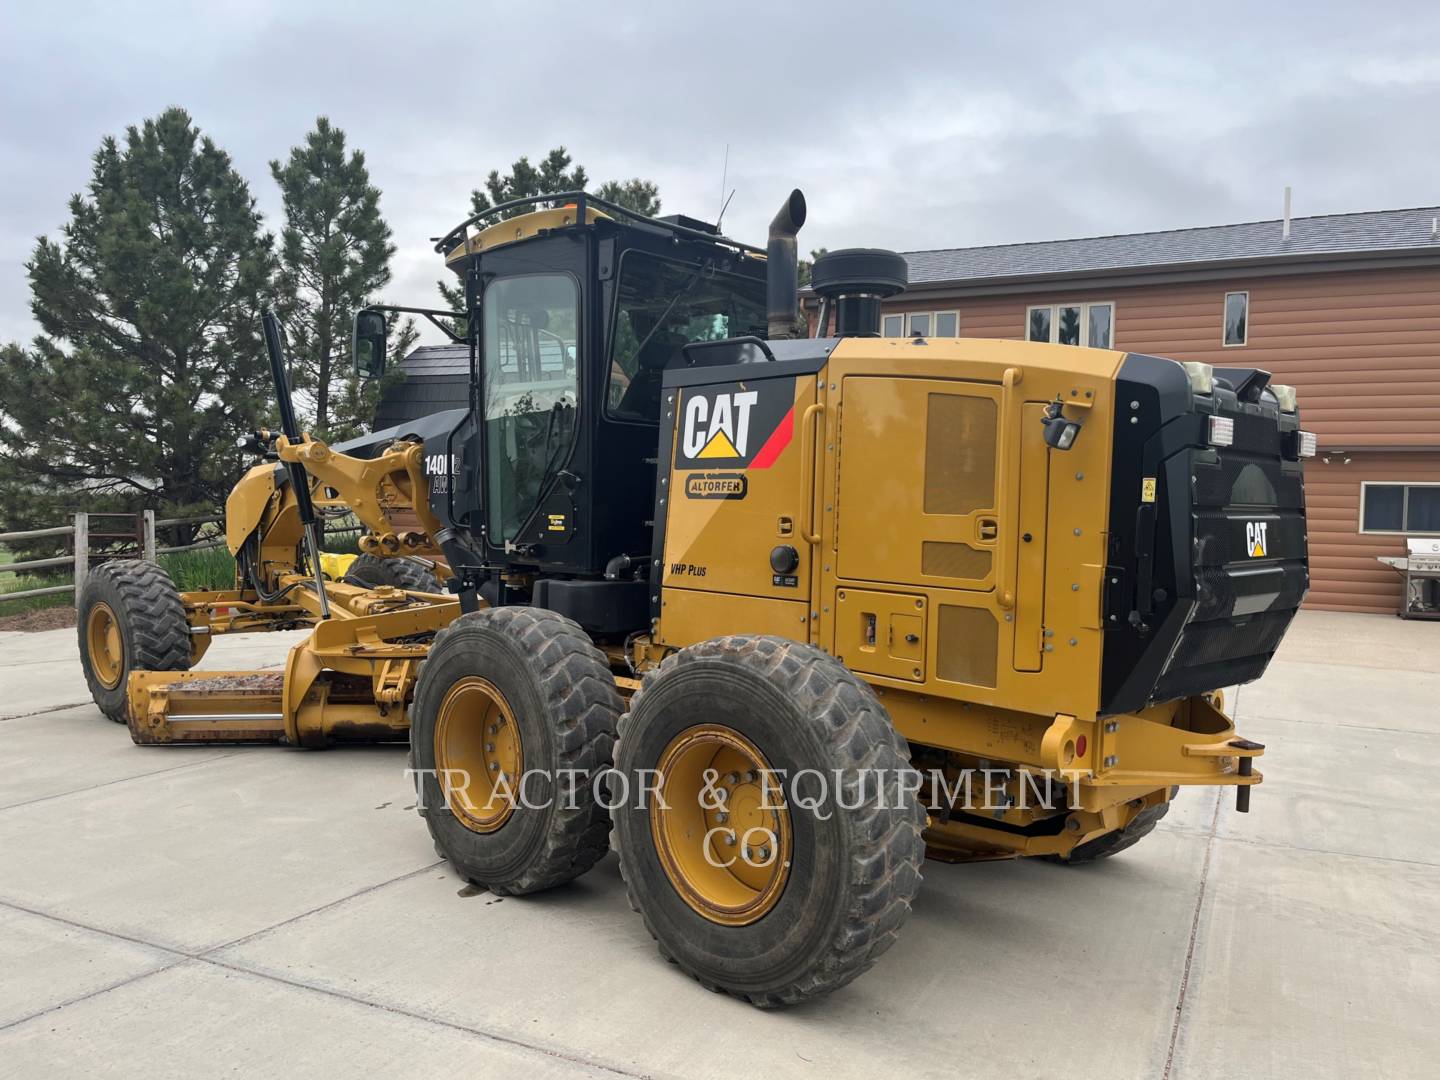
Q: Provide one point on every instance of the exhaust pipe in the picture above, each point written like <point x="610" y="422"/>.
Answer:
<point x="782" y="288"/>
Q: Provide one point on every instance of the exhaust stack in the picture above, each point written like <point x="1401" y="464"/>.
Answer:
<point x="782" y="288"/>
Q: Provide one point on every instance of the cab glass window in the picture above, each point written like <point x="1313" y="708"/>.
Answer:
<point x="662" y="306"/>
<point x="531" y="391"/>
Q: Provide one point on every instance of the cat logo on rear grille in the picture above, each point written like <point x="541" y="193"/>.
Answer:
<point x="1256" y="541"/>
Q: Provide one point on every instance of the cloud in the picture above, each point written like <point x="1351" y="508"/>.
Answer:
<point x="908" y="125"/>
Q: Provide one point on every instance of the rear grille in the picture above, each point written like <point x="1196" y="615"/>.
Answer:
<point x="1210" y="576"/>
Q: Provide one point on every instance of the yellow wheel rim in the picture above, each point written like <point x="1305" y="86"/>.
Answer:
<point x="478" y="757"/>
<point x="103" y="643"/>
<point x="720" y="825"/>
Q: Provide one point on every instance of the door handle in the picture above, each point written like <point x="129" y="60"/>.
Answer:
<point x="987" y="529"/>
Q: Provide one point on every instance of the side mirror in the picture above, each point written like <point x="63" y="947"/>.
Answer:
<point x="369" y="343"/>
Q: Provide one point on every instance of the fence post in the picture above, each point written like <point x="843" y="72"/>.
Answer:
<point x="148" y="545"/>
<point x="82" y="552"/>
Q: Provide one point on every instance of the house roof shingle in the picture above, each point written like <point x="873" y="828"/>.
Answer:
<point x="1368" y="232"/>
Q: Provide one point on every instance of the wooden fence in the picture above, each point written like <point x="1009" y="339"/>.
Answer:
<point x="97" y="537"/>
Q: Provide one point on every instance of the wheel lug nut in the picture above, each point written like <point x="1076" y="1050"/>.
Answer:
<point x="733" y="778"/>
<point x="721" y="817"/>
<point x="489" y="747"/>
<point x="494" y="728"/>
<point x="730" y="839"/>
<point x="494" y="766"/>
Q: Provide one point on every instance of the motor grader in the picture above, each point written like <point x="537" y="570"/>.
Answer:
<point x="750" y="603"/>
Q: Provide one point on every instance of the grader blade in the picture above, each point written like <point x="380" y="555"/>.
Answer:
<point x="208" y="706"/>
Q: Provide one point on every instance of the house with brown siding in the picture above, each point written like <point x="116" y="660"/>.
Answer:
<point x="1344" y="307"/>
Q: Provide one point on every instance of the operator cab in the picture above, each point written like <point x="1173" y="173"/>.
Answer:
<point x="574" y="313"/>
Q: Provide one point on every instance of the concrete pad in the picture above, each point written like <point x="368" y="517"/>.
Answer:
<point x="1343" y="693"/>
<point x="1193" y="810"/>
<point x="43" y="671"/>
<point x="986" y="944"/>
<point x="195" y="857"/>
<point x="197" y="1020"/>
<point x="1339" y="789"/>
<point x="1373" y="641"/>
<point x="48" y="963"/>
<point x="1313" y="965"/>
<point x="72" y="750"/>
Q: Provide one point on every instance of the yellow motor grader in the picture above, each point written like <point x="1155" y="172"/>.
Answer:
<point x="776" y="614"/>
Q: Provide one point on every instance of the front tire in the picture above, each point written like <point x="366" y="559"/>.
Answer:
<point x="130" y="618"/>
<point x="770" y="721"/>
<point x="368" y="571"/>
<point x="513" y="702"/>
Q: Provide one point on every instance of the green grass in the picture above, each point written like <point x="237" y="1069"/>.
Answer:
<point x="192" y="571"/>
<point x="200" y="571"/>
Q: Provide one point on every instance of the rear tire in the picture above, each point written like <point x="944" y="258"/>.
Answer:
<point x="1112" y="843"/>
<point x="523" y="690"/>
<point x="368" y="571"/>
<point x="851" y="876"/>
<point x="130" y="618"/>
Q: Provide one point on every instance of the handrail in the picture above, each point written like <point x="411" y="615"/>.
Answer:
<point x="582" y="199"/>
<point x="1009" y="446"/>
<point x="807" y="474"/>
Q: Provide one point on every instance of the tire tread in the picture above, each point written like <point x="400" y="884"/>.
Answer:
<point x="887" y="845"/>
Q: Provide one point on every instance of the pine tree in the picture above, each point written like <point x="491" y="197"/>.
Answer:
<point x="553" y="175"/>
<point x="335" y="252"/>
<point x="354" y="400"/>
<point x="642" y="196"/>
<point x="150" y="362"/>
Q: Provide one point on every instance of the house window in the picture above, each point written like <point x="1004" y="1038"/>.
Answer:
<point x="922" y="324"/>
<point x="1400" y="508"/>
<point x="1237" y="317"/>
<point x="1072" y="324"/>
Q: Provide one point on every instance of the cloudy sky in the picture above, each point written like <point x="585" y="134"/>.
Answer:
<point x="908" y="125"/>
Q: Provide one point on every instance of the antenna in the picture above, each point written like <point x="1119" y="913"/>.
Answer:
<point x="722" y="209"/>
<point x="724" y="176"/>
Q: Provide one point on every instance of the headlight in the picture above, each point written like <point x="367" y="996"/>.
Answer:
<point x="1222" y="431"/>
<point x="1285" y="395"/>
<point x="1201" y="376"/>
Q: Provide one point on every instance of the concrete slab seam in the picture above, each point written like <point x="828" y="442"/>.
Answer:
<point x="221" y="756"/>
<point x="47" y="709"/>
<point x="1190" y="948"/>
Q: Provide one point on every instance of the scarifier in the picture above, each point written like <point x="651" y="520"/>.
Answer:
<point x="765" y="563"/>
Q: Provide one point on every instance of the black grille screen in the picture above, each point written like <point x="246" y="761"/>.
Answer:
<point x="1214" y="571"/>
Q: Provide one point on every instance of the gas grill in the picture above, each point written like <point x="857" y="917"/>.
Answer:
<point x="1420" y="567"/>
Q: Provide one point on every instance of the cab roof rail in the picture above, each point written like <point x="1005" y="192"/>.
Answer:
<point x="584" y="201"/>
